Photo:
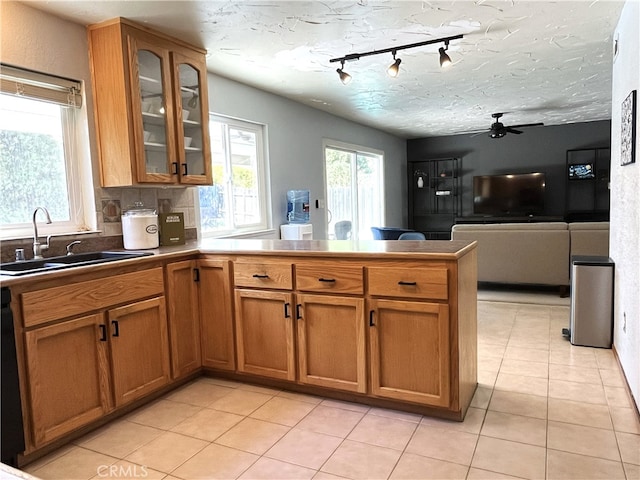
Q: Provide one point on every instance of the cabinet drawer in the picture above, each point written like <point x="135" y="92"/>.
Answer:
<point x="408" y="282"/>
<point x="317" y="278"/>
<point x="55" y="303"/>
<point x="263" y="275"/>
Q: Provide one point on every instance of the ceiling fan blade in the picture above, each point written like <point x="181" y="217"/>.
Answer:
<point x="526" y="125"/>
<point x="513" y="130"/>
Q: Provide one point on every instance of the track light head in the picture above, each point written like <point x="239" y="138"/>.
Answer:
<point x="394" y="68"/>
<point x="445" y="60"/>
<point x="345" y="78"/>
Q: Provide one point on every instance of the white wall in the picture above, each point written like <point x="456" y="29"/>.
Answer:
<point x="295" y="147"/>
<point x="625" y="202"/>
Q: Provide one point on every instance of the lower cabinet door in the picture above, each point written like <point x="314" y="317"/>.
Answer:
<point x="67" y="375"/>
<point x="139" y="349"/>
<point x="331" y="342"/>
<point x="409" y="345"/>
<point x="216" y="317"/>
<point x="264" y="333"/>
<point x="184" y="319"/>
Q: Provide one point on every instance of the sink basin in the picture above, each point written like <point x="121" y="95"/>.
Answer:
<point x="66" y="261"/>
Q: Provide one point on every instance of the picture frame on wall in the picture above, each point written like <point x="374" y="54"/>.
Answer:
<point x="628" y="137"/>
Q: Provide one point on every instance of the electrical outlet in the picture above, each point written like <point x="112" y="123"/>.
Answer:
<point x="624" y="322"/>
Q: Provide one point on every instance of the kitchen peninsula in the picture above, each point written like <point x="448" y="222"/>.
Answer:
<point x="386" y="323"/>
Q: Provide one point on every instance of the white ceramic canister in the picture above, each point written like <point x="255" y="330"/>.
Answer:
<point x="140" y="228"/>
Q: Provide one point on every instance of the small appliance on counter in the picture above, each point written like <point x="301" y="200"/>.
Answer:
<point x="140" y="227"/>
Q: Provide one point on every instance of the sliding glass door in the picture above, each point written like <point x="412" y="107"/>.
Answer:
<point x="354" y="191"/>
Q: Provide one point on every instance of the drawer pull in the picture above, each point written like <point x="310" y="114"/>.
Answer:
<point x="103" y="333"/>
<point x="371" y="322"/>
<point x="257" y="275"/>
<point x="411" y="284"/>
<point x="327" y="280"/>
<point x="286" y="310"/>
<point x="298" y="316"/>
<point x="116" y="328"/>
<point x="175" y="168"/>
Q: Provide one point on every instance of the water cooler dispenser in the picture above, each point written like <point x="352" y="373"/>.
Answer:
<point x="298" y="226"/>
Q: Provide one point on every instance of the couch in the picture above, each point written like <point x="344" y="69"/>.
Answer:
<point x="532" y="253"/>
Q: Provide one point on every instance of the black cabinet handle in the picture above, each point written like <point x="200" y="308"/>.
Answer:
<point x="256" y="275"/>
<point x="103" y="333"/>
<point x="412" y="284"/>
<point x="371" y="322"/>
<point x="298" y="316"/>
<point x="116" y="328"/>
<point x="196" y="274"/>
<point x="184" y="169"/>
<point x="327" y="280"/>
<point x="175" y="167"/>
<point x="286" y="310"/>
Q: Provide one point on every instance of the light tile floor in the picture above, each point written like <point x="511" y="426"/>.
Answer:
<point x="543" y="409"/>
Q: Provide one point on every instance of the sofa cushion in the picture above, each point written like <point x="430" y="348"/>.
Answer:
<point x="589" y="238"/>
<point x="511" y="226"/>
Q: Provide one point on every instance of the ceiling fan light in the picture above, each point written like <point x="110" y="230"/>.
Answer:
<point x="445" y="60"/>
<point x="345" y="78"/>
<point x="394" y="68"/>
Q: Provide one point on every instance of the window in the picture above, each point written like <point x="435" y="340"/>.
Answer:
<point x="355" y="193"/>
<point x="38" y="152"/>
<point x="236" y="203"/>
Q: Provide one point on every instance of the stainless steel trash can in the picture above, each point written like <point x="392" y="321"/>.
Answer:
<point x="591" y="301"/>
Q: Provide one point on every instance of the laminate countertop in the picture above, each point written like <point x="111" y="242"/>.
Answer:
<point x="392" y="249"/>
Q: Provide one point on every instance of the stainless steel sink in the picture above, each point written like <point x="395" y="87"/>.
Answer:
<point x="66" y="261"/>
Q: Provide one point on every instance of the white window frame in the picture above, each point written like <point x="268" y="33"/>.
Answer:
<point x="66" y="93"/>
<point x="356" y="149"/>
<point x="262" y="165"/>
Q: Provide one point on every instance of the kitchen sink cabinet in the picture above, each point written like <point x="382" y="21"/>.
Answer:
<point x="183" y="316"/>
<point x="67" y="392"/>
<point x="216" y="314"/>
<point x="139" y="349"/>
<point x="151" y="106"/>
<point x="91" y="346"/>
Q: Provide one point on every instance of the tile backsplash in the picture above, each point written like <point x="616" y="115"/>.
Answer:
<point x="110" y="204"/>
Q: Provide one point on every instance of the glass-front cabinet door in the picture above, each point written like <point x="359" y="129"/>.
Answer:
<point x="153" y="113"/>
<point x="192" y="120"/>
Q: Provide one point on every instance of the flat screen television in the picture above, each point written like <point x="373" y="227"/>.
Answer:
<point x="581" y="171"/>
<point x="519" y="194"/>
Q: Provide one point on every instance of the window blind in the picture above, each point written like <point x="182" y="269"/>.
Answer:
<point x="40" y="86"/>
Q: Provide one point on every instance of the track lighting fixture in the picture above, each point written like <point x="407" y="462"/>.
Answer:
<point x="394" y="68"/>
<point x="445" y="60"/>
<point x="345" y="78"/>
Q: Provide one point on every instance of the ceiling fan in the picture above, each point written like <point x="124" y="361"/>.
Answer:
<point x="499" y="130"/>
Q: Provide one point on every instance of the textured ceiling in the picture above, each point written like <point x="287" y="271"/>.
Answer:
<point x="539" y="61"/>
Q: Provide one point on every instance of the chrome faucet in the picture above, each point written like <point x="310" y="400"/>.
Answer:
<point x="37" y="247"/>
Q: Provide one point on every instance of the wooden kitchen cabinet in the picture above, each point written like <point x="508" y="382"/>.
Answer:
<point x="139" y="349"/>
<point x="91" y="346"/>
<point x="331" y="341"/>
<point x="68" y="373"/>
<point x="409" y="345"/>
<point x="216" y="315"/>
<point x="264" y="333"/>
<point x="184" y="317"/>
<point x="151" y="106"/>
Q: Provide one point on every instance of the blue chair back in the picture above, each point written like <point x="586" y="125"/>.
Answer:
<point x="412" y="236"/>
